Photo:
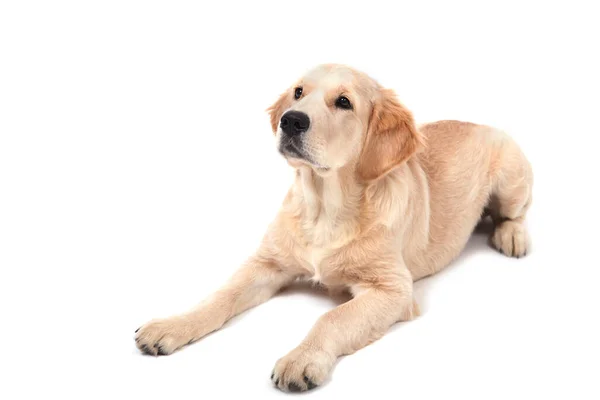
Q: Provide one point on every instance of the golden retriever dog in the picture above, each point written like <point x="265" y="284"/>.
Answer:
<point x="377" y="203"/>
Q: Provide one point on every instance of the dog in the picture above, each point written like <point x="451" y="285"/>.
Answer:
<point x="377" y="203"/>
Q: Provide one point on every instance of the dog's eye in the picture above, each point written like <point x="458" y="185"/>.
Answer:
<point x="343" y="102"/>
<point x="298" y="93"/>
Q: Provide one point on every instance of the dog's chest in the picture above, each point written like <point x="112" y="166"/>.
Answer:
<point x="324" y="240"/>
<point x="315" y="260"/>
<point x="321" y="264"/>
<point x="322" y="246"/>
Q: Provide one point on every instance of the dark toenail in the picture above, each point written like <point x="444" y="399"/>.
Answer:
<point x="161" y="352"/>
<point x="155" y="345"/>
<point x="309" y="383"/>
<point x="293" y="387"/>
<point x="145" y="349"/>
<point x="277" y="382"/>
<point x="136" y="331"/>
<point x="272" y="375"/>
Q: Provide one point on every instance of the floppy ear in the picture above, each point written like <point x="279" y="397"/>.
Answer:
<point x="392" y="137"/>
<point x="276" y="110"/>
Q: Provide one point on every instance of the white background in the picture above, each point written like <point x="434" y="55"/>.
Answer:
<point x="138" y="169"/>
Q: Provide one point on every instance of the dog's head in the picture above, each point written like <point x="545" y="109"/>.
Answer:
<point x="336" y="116"/>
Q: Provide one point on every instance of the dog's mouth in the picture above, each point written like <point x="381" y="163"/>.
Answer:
<point x="295" y="154"/>
<point x="294" y="151"/>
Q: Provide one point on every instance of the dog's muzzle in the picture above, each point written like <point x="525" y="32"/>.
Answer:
<point x="293" y="124"/>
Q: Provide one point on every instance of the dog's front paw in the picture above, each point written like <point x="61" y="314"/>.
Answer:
<point x="302" y="369"/>
<point x="162" y="337"/>
<point x="511" y="239"/>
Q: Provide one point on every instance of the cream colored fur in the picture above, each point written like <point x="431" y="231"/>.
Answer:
<point x="382" y="203"/>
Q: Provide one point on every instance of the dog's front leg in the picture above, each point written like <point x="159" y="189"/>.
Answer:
<point x="346" y="329"/>
<point x="255" y="282"/>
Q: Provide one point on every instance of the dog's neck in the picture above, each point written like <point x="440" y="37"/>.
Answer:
<point x="330" y="204"/>
<point x="335" y="208"/>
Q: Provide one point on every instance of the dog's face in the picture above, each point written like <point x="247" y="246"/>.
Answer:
<point x="324" y="116"/>
<point x="336" y="116"/>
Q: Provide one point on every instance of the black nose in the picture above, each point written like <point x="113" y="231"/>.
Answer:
<point x="294" y="123"/>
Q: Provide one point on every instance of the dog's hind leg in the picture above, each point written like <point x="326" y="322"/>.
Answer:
<point x="511" y="198"/>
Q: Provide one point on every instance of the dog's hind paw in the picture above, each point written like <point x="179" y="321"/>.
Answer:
<point x="511" y="239"/>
